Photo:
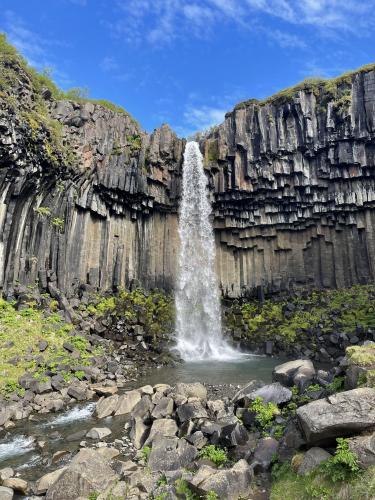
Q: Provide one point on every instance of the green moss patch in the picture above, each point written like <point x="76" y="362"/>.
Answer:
<point x="20" y="333"/>
<point x="361" y="355"/>
<point x="324" y="311"/>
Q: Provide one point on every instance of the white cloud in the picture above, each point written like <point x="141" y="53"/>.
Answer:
<point x="160" y="22"/>
<point x="109" y="64"/>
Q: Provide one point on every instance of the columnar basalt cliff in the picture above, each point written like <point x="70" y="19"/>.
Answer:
<point x="87" y="199"/>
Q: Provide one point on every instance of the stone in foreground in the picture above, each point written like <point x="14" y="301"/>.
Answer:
<point x="342" y="414"/>
<point x="230" y="484"/>
<point x="297" y="372"/>
<point x="88" y="472"/>
<point x="312" y="459"/>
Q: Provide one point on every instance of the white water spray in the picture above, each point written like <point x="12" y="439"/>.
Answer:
<point x="198" y="322"/>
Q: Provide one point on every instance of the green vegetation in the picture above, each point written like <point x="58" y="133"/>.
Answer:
<point x="182" y="488"/>
<point x="58" y="223"/>
<point x="154" y="310"/>
<point x="265" y="412"/>
<point x="43" y="211"/>
<point x="15" y="73"/>
<point x="20" y="332"/>
<point x="211" y="495"/>
<point x="145" y="452"/>
<point x="326" y="311"/>
<point x="335" y="89"/>
<point x="336" y="385"/>
<point x="212" y="151"/>
<point x="361" y="355"/>
<point x="216" y="455"/>
<point x="343" y="466"/>
<point x="134" y="141"/>
<point x="337" y="477"/>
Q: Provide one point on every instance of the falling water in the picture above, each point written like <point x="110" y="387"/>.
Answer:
<point x="198" y="323"/>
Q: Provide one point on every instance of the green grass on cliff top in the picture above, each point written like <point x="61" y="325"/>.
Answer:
<point x="10" y="58"/>
<point x="319" y="86"/>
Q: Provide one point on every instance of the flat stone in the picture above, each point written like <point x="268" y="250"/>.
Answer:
<point x="342" y="414"/>
<point x="196" y="390"/>
<point x="98" y="433"/>
<point x="106" y="406"/>
<point x="165" y="427"/>
<point x="16" y="484"/>
<point x="47" y="480"/>
<point x="6" y="493"/>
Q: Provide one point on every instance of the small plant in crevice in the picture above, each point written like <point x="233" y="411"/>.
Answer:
<point x="265" y="413"/>
<point x="215" y="454"/>
<point x="145" y="453"/>
<point x="182" y="488"/>
<point x="343" y="466"/>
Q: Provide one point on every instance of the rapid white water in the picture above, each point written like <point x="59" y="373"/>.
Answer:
<point x="198" y="321"/>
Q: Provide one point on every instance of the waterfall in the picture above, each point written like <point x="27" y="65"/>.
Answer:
<point x="197" y="298"/>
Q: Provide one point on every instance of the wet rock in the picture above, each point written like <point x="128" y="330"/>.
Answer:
<point x="88" y="472"/>
<point x="312" y="458"/>
<point x="342" y="414"/>
<point x="230" y="484"/>
<point x="98" y="433"/>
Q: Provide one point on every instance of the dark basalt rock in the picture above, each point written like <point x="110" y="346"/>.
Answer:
<point x="292" y="184"/>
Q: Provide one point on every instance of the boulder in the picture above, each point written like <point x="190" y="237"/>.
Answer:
<point x="40" y="386"/>
<point x="342" y="414"/>
<point x="299" y="372"/>
<point x="143" y="408"/>
<point x="264" y="453"/>
<point x="47" y="480"/>
<point x="229" y="484"/>
<point x="6" y="493"/>
<point x="127" y="402"/>
<point x="87" y="473"/>
<point x="78" y="391"/>
<point x="6" y="473"/>
<point x="98" y="433"/>
<point x="242" y="397"/>
<point x="17" y="484"/>
<point x="364" y="448"/>
<point x="106" y="406"/>
<point x="195" y="390"/>
<point x="170" y="453"/>
<point x="139" y="432"/>
<point x="164" y="408"/>
<point x="165" y="427"/>
<point x="191" y="410"/>
<point x="231" y="435"/>
<point x="104" y="390"/>
<point x="272" y="393"/>
<point x="312" y="458"/>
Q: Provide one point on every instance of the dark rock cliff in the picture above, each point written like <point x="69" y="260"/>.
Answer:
<point x="87" y="199"/>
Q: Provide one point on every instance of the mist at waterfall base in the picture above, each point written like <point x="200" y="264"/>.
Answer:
<point x="197" y="298"/>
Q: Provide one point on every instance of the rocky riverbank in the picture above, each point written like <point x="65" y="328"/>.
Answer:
<point x="309" y="430"/>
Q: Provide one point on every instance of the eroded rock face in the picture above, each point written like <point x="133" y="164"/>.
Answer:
<point x="292" y="182"/>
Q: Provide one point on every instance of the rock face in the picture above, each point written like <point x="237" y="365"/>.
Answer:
<point x="292" y="184"/>
<point x="342" y="414"/>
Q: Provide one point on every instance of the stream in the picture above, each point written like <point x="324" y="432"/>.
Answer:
<point x="22" y="447"/>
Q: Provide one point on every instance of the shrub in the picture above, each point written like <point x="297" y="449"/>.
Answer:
<point x="265" y="412"/>
<point x="145" y="452"/>
<point x="343" y="466"/>
<point x="216" y="455"/>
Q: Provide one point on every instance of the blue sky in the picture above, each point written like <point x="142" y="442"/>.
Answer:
<point x="187" y="62"/>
